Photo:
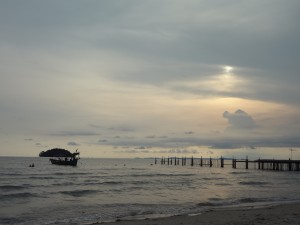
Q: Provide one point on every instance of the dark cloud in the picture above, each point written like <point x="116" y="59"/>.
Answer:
<point x="179" y="151"/>
<point x="123" y="128"/>
<point x="73" y="143"/>
<point x="75" y="133"/>
<point x="151" y="137"/>
<point x="163" y="137"/>
<point x="96" y="126"/>
<point x="226" y="145"/>
<point x="189" y="132"/>
<point x="143" y="147"/>
<point x="28" y="139"/>
<point x="147" y="150"/>
<point x="102" y="141"/>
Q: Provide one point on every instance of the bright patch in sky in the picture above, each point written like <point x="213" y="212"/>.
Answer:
<point x="228" y="69"/>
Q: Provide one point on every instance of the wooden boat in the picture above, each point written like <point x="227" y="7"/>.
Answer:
<point x="65" y="162"/>
<point x="61" y="157"/>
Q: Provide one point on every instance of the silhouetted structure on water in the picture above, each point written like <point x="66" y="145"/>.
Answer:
<point x="261" y="164"/>
<point x="61" y="156"/>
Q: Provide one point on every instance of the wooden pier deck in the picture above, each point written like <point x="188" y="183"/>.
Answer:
<point x="261" y="164"/>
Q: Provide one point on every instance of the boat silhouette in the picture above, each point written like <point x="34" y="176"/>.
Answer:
<point x="61" y="156"/>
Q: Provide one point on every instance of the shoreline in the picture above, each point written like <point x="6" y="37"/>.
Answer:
<point x="288" y="213"/>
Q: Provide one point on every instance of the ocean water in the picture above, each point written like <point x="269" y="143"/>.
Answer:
<point x="100" y="190"/>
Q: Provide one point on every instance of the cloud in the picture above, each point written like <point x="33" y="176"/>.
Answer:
<point x="28" y="139"/>
<point x="115" y="128"/>
<point x="133" y="151"/>
<point x="239" y="121"/>
<point x="226" y="145"/>
<point x="156" y="141"/>
<point x="143" y="147"/>
<point x="174" y="151"/>
<point x="123" y="128"/>
<point x="179" y="151"/>
<point x="102" y="141"/>
<point x="74" y="133"/>
<point x="163" y="137"/>
<point x="151" y="137"/>
<point x="73" y="143"/>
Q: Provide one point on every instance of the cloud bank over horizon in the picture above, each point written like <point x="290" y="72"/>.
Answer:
<point x="106" y="75"/>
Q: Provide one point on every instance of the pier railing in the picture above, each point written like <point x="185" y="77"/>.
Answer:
<point x="261" y="164"/>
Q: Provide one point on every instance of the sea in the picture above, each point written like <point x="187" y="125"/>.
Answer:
<point x="103" y="190"/>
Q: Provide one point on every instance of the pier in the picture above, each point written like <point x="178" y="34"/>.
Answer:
<point x="261" y="164"/>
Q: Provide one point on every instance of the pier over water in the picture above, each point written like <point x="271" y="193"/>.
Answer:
<point x="261" y="164"/>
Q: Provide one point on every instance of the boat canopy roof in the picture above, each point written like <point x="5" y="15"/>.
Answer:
<point x="58" y="152"/>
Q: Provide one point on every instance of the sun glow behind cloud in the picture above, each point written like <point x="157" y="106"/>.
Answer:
<point x="228" y="69"/>
<point x="223" y="84"/>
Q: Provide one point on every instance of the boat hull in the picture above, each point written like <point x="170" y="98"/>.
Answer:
<point x="72" y="162"/>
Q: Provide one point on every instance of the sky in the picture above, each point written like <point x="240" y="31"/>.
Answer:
<point x="150" y="78"/>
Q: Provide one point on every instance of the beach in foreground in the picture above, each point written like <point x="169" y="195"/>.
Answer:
<point x="279" y="214"/>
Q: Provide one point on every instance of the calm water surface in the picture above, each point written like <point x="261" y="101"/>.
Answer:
<point x="106" y="189"/>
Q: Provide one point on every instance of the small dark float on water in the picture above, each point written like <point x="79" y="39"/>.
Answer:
<point x="61" y="156"/>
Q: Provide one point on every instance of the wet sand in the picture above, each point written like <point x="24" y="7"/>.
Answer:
<point x="269" y="215"/>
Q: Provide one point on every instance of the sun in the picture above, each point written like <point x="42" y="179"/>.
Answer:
<point x="228" y="69"/>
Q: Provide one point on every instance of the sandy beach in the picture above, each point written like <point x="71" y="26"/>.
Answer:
<point x="269" y="215"/>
